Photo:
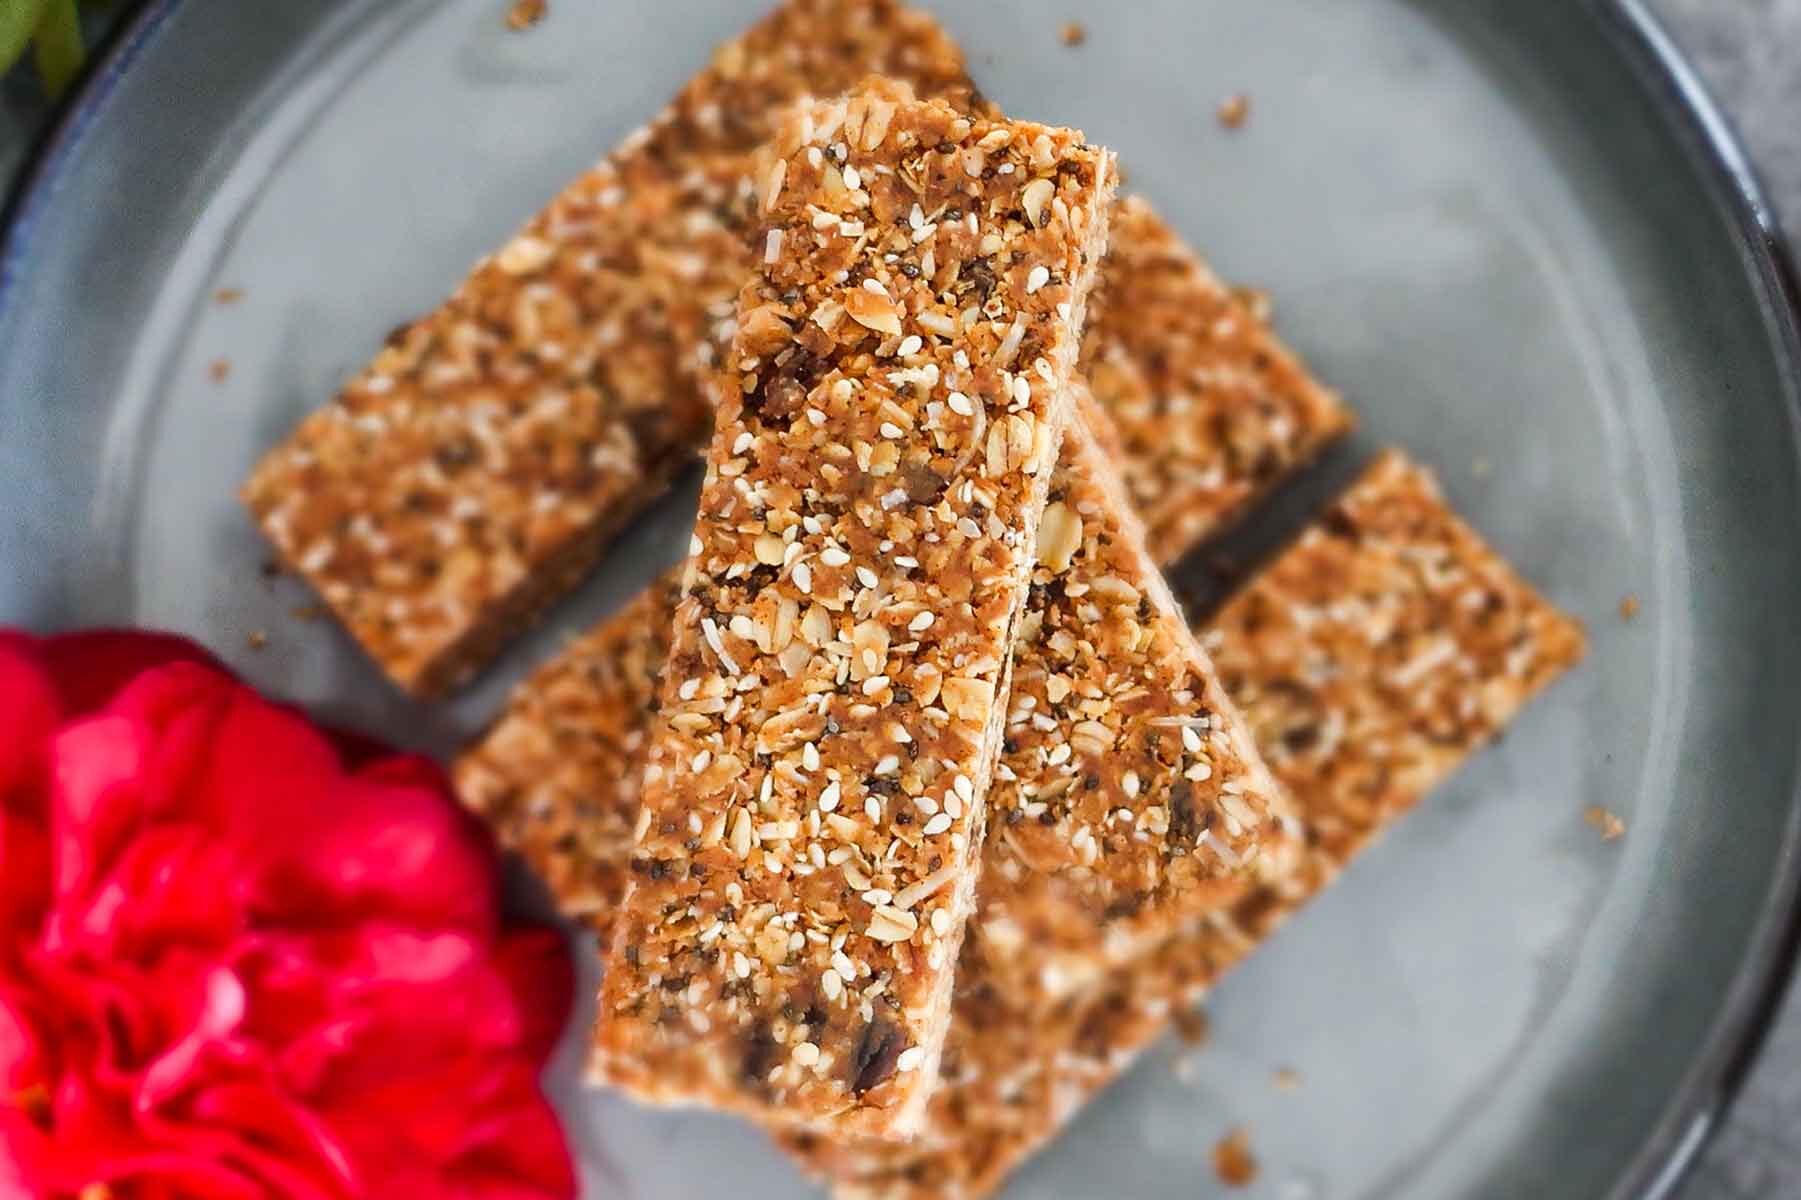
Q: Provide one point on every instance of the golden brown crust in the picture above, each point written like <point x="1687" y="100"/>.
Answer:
<point x="889" y="417"/>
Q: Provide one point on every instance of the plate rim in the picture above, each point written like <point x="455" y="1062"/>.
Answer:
<point x="1697" y="1108"/>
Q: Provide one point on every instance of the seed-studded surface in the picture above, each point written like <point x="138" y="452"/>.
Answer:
<point x="1125" y="778"/>
<point x="558" y="776"/>
<point x="1129" y="795"/>
<point x="1370" y="659"/>
<point x="889" y="418"/>
<point x="1211" y="408"/>
<point x="475" y="470"/>
<point x="478" y="467"/>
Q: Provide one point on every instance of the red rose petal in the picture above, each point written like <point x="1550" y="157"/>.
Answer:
<point x="221" y="1012"/>
<point x="95" y="768"/>
<point x="29" y="710"/>
<point x="387" y="853"/>
<point x="537" y="969"/>
<point x="91" y="668"/>
<point x="232" y="966"/>
<point x="22" y="1062"/>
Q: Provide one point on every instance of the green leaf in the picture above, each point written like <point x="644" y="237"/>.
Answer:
<point x="18" y="21"/>
<point x="58" y="49"/>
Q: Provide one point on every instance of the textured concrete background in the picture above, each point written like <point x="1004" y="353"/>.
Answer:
<point x="1749" y="52"/>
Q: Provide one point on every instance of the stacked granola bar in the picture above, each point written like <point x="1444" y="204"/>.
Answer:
<point x="477" y="468"/>
<point x="920" y="670"/>
<point x="888" y="419"/>
<point x="1385" y="646"/>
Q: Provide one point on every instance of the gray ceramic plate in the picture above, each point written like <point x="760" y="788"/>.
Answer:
<point x="1512" y="233"/>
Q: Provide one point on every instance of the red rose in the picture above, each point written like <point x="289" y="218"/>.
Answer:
<point x="239" y="958"/>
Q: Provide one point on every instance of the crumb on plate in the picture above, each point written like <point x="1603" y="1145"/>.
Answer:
<point x="1607" y="821"/>
<point x="219" y="370"/>
<point x="228" y="295"/>
<point x="1233" y="1161"/>
<point x="1192" y="1025"/>
<point x="526" y="13"/>
<point x="1234" y="110"/>
<point x="1074" y="33"/>
<point x="1629" y="606"/>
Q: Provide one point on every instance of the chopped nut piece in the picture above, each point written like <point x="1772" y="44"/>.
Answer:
<point x="1234" y="110"/>
<point x="970" y="550"/>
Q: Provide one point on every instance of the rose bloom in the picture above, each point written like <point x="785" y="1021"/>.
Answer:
<point x="243" y="957"/>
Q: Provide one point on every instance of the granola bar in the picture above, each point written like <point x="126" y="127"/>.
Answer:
<point x="479" y="466"/>
<point x="888" y="421"/>
<point x="476" y="469"/>
<point x="1370" y="659"/>
<point x="1129" y="795"/>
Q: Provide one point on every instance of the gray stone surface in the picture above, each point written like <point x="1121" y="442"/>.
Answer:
<point x="1749" y="52"/>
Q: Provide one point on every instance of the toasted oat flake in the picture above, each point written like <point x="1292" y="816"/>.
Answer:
<point x="969" y="520"/>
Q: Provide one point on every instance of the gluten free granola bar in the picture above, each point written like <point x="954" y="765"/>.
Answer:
<point x="889" y="418"/>
<point x="1370" y="659"/>
<point x="477" y="469"/>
